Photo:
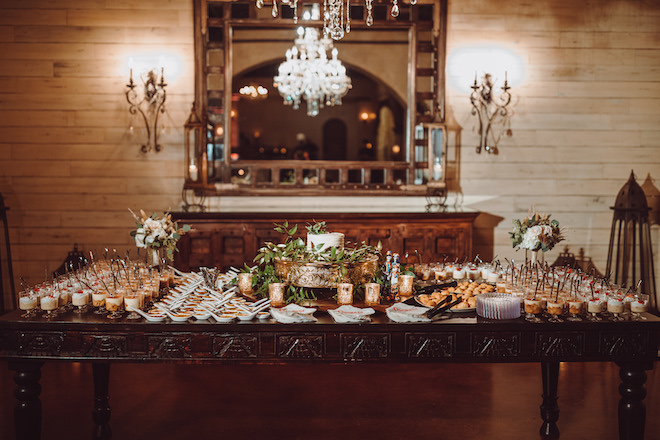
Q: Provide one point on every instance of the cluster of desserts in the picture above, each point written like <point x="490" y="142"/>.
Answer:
<point x="197" y="299"/>
<point x="563" y="292"/>
<point x="485" y="272"/>
<point x="108" y="286"/>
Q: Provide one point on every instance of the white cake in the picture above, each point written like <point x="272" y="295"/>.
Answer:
<point x="328" y="240"/>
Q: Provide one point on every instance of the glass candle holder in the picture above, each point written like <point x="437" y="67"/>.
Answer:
<point x="372" y="294"/>
<point x="344" y="294"/>
<point x="245" y="283"/>
<point x="276" y="294"/>
<point x="406" y="285"/>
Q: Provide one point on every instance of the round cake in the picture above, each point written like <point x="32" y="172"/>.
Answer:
<point x="328" y="240"/>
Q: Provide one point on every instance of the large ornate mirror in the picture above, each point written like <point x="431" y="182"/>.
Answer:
<point x="384" y="136"/>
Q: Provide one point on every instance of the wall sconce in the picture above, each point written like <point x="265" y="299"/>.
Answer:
<point x="148" y="101"/>
<point x="488" y="108"/>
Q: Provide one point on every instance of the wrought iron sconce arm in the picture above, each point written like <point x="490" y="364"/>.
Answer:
<point x="488" y="107"/>
<point x="150" y="102"/>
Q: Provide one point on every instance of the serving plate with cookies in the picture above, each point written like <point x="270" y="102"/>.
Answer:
<point x="467" y="291"/>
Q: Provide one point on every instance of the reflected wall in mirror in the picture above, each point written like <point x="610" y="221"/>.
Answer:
<point x="375" y="142"/>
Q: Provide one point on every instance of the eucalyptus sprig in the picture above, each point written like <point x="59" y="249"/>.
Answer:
<point x="317" y="228"/>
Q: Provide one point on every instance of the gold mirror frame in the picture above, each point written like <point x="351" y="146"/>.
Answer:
<point x="425" y="111"/>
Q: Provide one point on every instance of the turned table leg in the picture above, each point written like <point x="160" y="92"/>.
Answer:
<point x="101" y="411"/>
<point x="632" y="411"/>
<point x="549" y="407"/>
<point x="27" y="411"/>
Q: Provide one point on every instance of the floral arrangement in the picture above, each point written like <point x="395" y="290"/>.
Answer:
<point x="157" y="233"/>
<point x="536" y="232"/>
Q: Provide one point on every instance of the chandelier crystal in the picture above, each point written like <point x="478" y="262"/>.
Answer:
<point x="336" y="14"/>
<point x="308" y="74"/>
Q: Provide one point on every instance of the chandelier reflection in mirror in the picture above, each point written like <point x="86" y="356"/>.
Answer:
<point x="336" y="14"/>
<point x="308" y="74"/>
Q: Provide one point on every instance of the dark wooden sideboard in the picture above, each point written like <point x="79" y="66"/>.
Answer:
<point x="231" y="239"/>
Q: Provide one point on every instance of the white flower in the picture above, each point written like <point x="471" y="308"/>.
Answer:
<point x="139" y="238"/>
<point x="151" y="224"/>
<point x="530" y="239"/>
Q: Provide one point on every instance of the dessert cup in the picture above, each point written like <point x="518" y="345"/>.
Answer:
<point x="80" y="299"/>
<point x="615" y="307"/>
<point x="639" y="306"/>
<point x="27" y="301"/>
<point x="555" y="309"/>
<point x="594" y="307"/>
<point x="575" y="309"/>
<point x="132" y="302"/>
<point x="533" y="308"/>
<point x="48" y="304"/>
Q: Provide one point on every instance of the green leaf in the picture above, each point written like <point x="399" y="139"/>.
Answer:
<point x="185" y="228"/>
<point x="293" y="230"/>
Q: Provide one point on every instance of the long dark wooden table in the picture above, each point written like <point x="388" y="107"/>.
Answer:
<point x="27" y="344"/>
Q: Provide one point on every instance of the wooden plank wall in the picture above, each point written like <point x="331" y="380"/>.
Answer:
<point x="69" y="166"/>
<point x="585" y="115"/>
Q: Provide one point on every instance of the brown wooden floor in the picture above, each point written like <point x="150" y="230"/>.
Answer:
<point x="450" y="401"/>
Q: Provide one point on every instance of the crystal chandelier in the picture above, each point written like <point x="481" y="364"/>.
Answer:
<point x="307" y="73"/>
<point x="336" y="14"/>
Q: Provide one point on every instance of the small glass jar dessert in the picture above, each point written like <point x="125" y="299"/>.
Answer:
<point x="98" y="300"/>
<point x="49" y="303"/>
<point x="132" y="301"/>
<point x="638" y="306"/>
<point x="615" y="307"/>
<point x="555" y="309"/>
<point x="114" y="303"/>
<point x="533" y="309"/>
<point x="575" y="309"/>
<point x="595" y="305"/>
<point x="79" y="299"/>
<point x="27" y="301"/>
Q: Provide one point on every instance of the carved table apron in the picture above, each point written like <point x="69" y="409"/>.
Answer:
<point x="27" y="344"/>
